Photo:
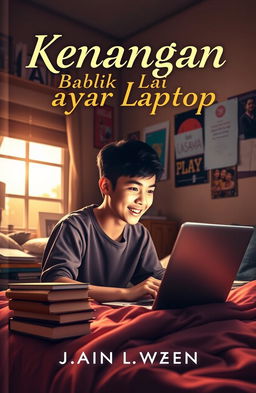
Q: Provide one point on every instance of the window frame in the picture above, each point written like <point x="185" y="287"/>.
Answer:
<point x="26" y="197"/>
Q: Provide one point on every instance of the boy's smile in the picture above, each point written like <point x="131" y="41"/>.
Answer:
<point x="125" y="204"/>
<point x="131" y="198"/>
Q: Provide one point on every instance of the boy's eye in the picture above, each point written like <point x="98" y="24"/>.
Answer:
<point x="151" y="191"/>
<point x="133" y="188"/>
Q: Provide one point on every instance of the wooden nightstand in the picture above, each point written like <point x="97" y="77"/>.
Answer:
<point x="163" y="233"/>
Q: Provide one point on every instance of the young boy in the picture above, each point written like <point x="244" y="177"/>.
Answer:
<point x="105" y="245"/>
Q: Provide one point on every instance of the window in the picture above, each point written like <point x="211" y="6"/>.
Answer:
<point x="34" y="174"/>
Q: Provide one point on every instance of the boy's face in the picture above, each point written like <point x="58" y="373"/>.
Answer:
<point x="132" y="197"/>
<point x="250" y="106"/>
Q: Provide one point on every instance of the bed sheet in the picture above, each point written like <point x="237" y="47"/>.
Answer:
<point x="222" y="336"/>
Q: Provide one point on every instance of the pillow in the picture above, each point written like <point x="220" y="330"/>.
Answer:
<point x="35" y="246"/>
<point x="247" y="270"/>
<point x="7" y="242"/>
<point x="20" y="237"/>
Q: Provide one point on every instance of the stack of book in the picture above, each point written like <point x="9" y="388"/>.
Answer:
<point x="18" y="266"/>
<point x="50" y="310"/>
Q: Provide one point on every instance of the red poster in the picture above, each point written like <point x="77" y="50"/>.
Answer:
<point x="103" y="126"/>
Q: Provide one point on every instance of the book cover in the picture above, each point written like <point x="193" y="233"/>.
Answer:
<point x="51" y="286"/>
<point x="55" y="116"/>
<point x="47" y="296"/>
<point x="12" y="255"/>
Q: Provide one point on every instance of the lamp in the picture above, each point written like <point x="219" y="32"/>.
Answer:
<point x="2" y="199"/>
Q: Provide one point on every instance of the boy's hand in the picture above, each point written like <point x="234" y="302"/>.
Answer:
<point x="149" y="287"/>
<point x="146" y="288"/>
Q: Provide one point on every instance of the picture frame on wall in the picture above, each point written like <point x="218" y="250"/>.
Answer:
<point x="47" y="222"/>
<point x="157" y="136"/>
<point x="246" y="114"/>
<point x="224" y="182"/>
<point x="103" y="132"/>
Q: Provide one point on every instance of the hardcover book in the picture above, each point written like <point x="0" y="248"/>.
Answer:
<point x="49" y="308"/>
<point x="56" y="318"/>
<point x="19" y="265"/>
<point x="47" y="295"/>
<point x="9" y="255"/>
<point x="49" y="331"/>
<point x="52" y="286"/>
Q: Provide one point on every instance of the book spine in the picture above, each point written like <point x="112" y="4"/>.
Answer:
<point x="46" y="297"/>
<point x="48" y="308"/>
<point x="29" y="306"/>
<point x="18" y="269"/>
<point x="23" y="296"/>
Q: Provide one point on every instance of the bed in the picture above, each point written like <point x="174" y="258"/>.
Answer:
<point x="222" y="335"/>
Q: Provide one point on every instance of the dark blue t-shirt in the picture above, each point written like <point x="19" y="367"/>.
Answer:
<point x="79" y="249"/>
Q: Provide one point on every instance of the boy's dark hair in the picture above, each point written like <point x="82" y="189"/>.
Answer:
<point x="128" y="158"/>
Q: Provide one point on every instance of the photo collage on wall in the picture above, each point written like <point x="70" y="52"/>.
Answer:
<point x="222" y="140"/>
<point x="218" y="145"/>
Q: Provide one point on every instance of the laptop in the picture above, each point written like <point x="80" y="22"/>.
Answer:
<point x="202" y="266"/>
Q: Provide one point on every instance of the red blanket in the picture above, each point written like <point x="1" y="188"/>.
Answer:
<point x="222" y="335"/>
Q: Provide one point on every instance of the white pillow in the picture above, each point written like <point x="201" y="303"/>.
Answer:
<point x="35" y="246"/>
<point x="7" y="242"/>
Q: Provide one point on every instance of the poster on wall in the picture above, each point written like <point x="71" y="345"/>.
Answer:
<point x="221" y="134"/>
<point x="224" y="182"/>
<point x="247" y="158"/>
<point x="247" y="134"/>
<point x="157" y="136"/>
<point x="103" y="126"/>
<point x="247" y="115"/>
<point x="189" y="149"/>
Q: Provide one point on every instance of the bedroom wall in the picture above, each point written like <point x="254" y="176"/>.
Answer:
<point x="27" y="20"/>
<point x="211" y="22"/>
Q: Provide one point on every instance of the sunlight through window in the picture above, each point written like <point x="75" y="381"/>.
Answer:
<point x="33" y="173"/>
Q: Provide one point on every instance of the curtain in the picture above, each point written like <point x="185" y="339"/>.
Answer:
<point x="26" y="112"/>
<point x="75" y="161"/>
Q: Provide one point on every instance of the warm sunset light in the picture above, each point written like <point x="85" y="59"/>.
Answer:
<point x="33" y="175"/>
